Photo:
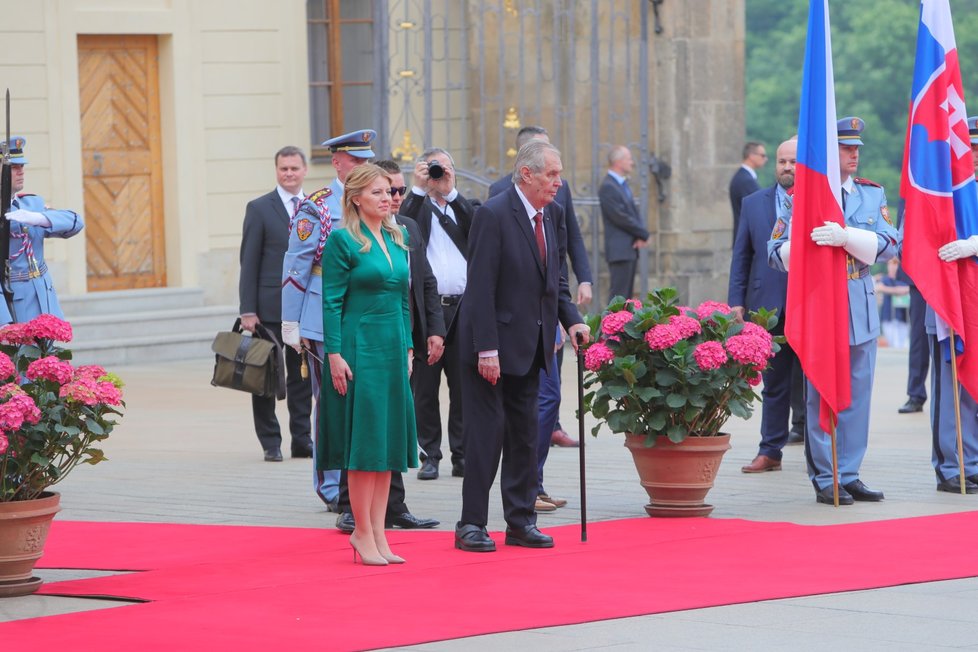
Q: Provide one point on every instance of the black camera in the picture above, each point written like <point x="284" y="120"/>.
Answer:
<point x="435" y="170"/>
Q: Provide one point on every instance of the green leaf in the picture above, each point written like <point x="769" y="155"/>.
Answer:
<point x="657" y="422"/>
<point x="676" y="401"/>
<point x="666" y="378"/>
<point x="629" y="376"/>
<point x="646" y="394"/>
<point x="676" y="433"/>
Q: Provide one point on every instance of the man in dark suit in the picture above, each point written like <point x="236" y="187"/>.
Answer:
<point x="624" y="228"/>
<point x="444" y="217"/>
<point x="507" y="324"/>
<point x="744" y="180"/>
<point x="428" y="335"/>
<point x="754" y="284"/>
<point x="264" y="241"/>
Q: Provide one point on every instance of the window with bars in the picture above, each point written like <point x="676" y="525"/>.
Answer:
<point x="341" y="65"/>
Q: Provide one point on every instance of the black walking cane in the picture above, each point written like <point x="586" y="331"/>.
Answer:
<point x="580" y="434"/>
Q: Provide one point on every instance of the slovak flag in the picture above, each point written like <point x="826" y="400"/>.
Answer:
<point x="938" y="186"/>
<point x="817" y="308"/>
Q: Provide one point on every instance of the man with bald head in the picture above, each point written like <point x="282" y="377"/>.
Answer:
<point x="624" y="228"/>
<point x="754" y="284"/>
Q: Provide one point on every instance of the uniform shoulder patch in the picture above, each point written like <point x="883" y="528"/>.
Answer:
<point x="320" y="195"/>
<point x="885" y="212"/>
<point x="779" y="228"/>
<point x="303" y="228"/>
<point x="865" y="182"/>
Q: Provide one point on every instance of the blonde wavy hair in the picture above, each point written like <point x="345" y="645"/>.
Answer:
<point x="359" y="178"/>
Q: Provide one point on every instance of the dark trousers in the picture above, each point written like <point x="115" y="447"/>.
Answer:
<point x="798" y="398"/>
<point x="778" y="399"/>
<point x="425" y="383"/>
<point x="500" y="421"/>
<point x="622" y="274"/>
<point x="919" y="360"/>
<point x="298" y="397"/>
<point x="395" y="499"/>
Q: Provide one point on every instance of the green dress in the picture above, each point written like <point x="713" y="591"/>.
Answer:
<point x="366" y="318"/>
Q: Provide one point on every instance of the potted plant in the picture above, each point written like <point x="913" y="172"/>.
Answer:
<point x="52" y="417"/>
<point x="668" y="377"/>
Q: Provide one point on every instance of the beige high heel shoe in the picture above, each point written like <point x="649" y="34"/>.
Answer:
<point x="366" y="560"/>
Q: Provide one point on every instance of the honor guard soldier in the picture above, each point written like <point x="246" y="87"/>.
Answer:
<point x="31" y="221"/>
<point x="868" y="237"/>
<point x="348" y="151"/>
<point x="944" y="453"/>
<point x="302" y="283"/>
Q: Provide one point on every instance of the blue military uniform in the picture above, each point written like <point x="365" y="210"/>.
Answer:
<point x="944" y="450"/>
<point x="865" y="208"/>
<point x="302" y="282"/>
<point x="32" y="285"/>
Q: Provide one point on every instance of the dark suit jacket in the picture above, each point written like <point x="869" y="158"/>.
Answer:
<point x="421" y="210"/>
<point x="741" y="185"/>
<point x="264" y="241"/>
<point x="575" y="241"/>
<point x="622" y="223"/>
<point x="512" y="301"/>
<point x="427" y="314"/>
<point x="753" y="283"/>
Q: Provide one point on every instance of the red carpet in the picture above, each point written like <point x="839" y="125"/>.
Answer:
<point x="252" y="588"/>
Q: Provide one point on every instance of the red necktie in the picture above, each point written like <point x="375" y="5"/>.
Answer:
<point x="541" y="243"/>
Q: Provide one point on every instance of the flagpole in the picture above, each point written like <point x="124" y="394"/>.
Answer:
<point x="957" y="411"/>
<point x="835" y="465"/>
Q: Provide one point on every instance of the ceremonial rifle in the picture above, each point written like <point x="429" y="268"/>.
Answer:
<point x="6" y="196"/>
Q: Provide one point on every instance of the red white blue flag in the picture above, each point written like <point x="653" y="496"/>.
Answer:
<point x="817" y="310"/>
<point x="938" y="186"/>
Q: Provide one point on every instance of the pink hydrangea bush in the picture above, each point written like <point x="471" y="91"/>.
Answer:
<point x="660" y="368"/>
<point x="52" y="415"/>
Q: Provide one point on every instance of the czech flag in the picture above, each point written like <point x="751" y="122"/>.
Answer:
<point x="938" y="186"/>
<point x="817" y="309"/>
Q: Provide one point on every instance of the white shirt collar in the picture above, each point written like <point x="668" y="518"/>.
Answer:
<point x="530" y="211"/>
<point x="750" y="171"/>
<point x="287" y="196"/>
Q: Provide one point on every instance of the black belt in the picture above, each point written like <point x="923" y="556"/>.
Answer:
<point x="450" y="299"/>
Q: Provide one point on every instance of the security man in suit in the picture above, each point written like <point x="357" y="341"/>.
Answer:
<point x="624" y="229"/>
<point x="31" y="221"/>
<point x="744" y="180"/>
<point x="944" y="449"/>
<point x="264" y="239"/>
<point x="302" y="283"/>
<point x="444" y="217"/>
<point x="754" y="284"/>
<point x="509" y="316"/>
<point x="868" y="237"/>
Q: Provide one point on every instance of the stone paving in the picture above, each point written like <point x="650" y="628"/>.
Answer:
<point x="186" y="453"/>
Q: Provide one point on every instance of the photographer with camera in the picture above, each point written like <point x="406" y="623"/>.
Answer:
<point x="444" y="217"/>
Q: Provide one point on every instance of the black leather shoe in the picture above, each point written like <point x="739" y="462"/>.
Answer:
<point x="472" y="538"/>
<point x="302" y="450"/>
<point x="862" y="493"/>
<point x="972" y="478"/>
<point x="528" y="537"/>
<point x="953" y="486"/>
<point x="273" y="454"/>
<point x="458" y="469"/>
<point x="824" y="496"/>
<point x="333" y="505"/>
<point x="345" y="523"/>
<point x="409" y="521"/>
<point x="795" y="437"/>
<point x="911" y="405"/>
<point x="429" y="470"/>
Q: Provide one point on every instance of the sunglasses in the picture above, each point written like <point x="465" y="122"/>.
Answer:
<point x="398" y="191"/>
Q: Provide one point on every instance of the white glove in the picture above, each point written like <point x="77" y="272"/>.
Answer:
<point x="862" y="244"/>
<point x="830" y="235"/>
<point x="30" y="218"/>
<point x="290" y="335"/>
<point x="959" y="249"/>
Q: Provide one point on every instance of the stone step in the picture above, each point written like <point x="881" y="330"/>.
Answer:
<point x="123" y="327"/>
<point x="129" y="301"/>
<point x="112" y="353"/>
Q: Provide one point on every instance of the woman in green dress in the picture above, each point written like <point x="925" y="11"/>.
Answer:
<point x="368" y="422"/>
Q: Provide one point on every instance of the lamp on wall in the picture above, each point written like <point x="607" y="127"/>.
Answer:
<point x="661" y="171"/>
<point x="655" y="12"/>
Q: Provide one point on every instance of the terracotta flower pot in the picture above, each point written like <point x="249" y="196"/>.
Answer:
<point x="677" y="477"/>
<point x="24" y="526"/>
